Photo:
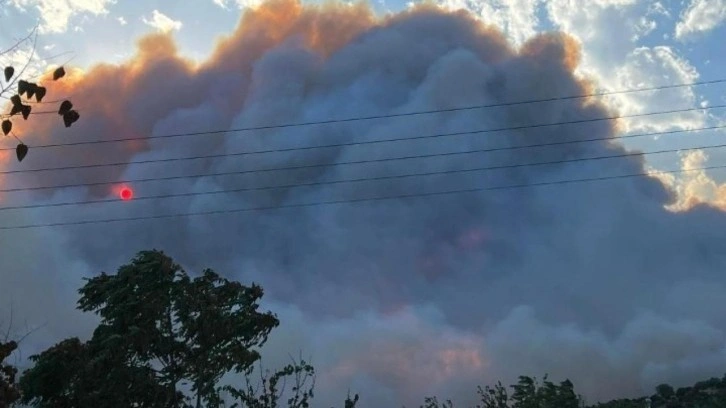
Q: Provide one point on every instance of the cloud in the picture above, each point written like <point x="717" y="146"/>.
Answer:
<point x="610" y="32"/>
<point x="517" y="19"/>
<point x="699" y="17"/>
<point x="395" y="299"/>
<point x="56" y="14"/>
<point x="694" y="186"/>
<point x="162" y="22"/>
<point x="239" y="4"/>
<point x="653" y="67"/>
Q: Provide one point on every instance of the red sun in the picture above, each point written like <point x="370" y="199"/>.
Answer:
<point x="126" y="194"/>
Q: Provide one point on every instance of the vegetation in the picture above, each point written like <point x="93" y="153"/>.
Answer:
<point x="165" y="340"/>
<point x="23" y="94"/>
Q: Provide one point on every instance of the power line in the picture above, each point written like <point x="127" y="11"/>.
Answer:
<point x="212" y="156"/>
<point x="239" y="172"/>
<point x="385" y="116"/>
<point x="352" y="201"/>
<point x="378" y="178"/>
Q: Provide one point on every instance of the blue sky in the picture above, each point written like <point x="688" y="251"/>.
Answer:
<point x="608" y="283"/>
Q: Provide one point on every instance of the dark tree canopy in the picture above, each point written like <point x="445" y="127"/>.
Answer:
<point x="159" y="327"/>
<point x="9" y="392"/>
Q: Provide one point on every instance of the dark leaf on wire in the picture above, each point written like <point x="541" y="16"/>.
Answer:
<point x="40" y="93"/>
<point x="30" y="92"/>
<point x="59" y="73"/>
<point x="21" y="151"/>
<point x="9" y="72"/>
<point x="23" y="86"/>
<point x="17" y="105"/>
<point x="65" y="107"/>
<point x="70" y="118"/>
<point x="7" y="126"/>
<point x="26" y="111"/>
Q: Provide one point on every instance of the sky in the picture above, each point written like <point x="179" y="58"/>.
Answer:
<point x="617" y="285"/>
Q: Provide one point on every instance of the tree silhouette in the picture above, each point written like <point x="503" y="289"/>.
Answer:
<point x="23" y="94"/>
<point x="159" y="328"/>
<point x="9" y="388"/>
<point x="9" y="392"/>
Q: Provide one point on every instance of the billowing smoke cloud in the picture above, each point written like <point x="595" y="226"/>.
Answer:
<point x="396" y="299"/>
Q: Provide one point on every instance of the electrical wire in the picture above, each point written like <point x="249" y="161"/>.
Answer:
<point x="351" y="201"/>
<point x="219" y="155"/>
<point x="239" y="172"/>
<point x="378" y="178"/>
<point x="385" y="116"/>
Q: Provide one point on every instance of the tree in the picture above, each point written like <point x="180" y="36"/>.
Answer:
<point x="9" y="388"/>
<point x="665" y="391"/>
<point x="271" y="388"/>
<point x="76" y="374"/>
<point x="496" y="397"/>
<point x="9" y="392"/>
<point x="527" y="393"/>
<point x="158" y="327"/>
<point x="23" y="94"/>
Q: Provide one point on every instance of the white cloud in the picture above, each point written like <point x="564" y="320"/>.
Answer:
<point x="162" y="22"/>
<point x="609" y="32"/>
<point x="122" y="21"/>
<point x="701" y="16"/>
<point x="694" y="186"/>
<point x="651" y="67"/>
<point x="240" y="4"/>
<point x="517" y="18"/>
<point x="644" y="27"/>
<point x="55" y="14"/>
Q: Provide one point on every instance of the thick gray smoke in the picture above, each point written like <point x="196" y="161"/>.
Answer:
<point x="395" y="299"/>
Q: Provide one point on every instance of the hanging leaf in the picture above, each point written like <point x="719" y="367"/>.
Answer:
<point x="15" y="99"/>
<point x="9" y="72"/>
<point x="40" y="92"/>
<point x="59" y="73"/>
<point x="70" y="118"/>
<point x="17" y="105"/>
<point x="21" y="151"/>
<point x="30" y="92"/>
<point x="23" y="86"/>
<point x="65" y="107"/>
<point x="7" y="126"/>
<point x="26" y="111"/>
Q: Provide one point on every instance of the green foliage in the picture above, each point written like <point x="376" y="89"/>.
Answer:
<point x="433" y="402"/>
<point x="665" y="392"/>
<point x="9" y="392"/>
<point x="271" y="388"/>
<point x="496" y="397"/>
<point x="350" y="402"/>
<point x="623" y="403"/>
<point x="77" y="374"/>
<point x="158" y="327"/>
<point x="527" y="393"/>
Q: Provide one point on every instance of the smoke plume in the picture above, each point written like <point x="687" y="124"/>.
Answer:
<point x="395" y="299"/>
